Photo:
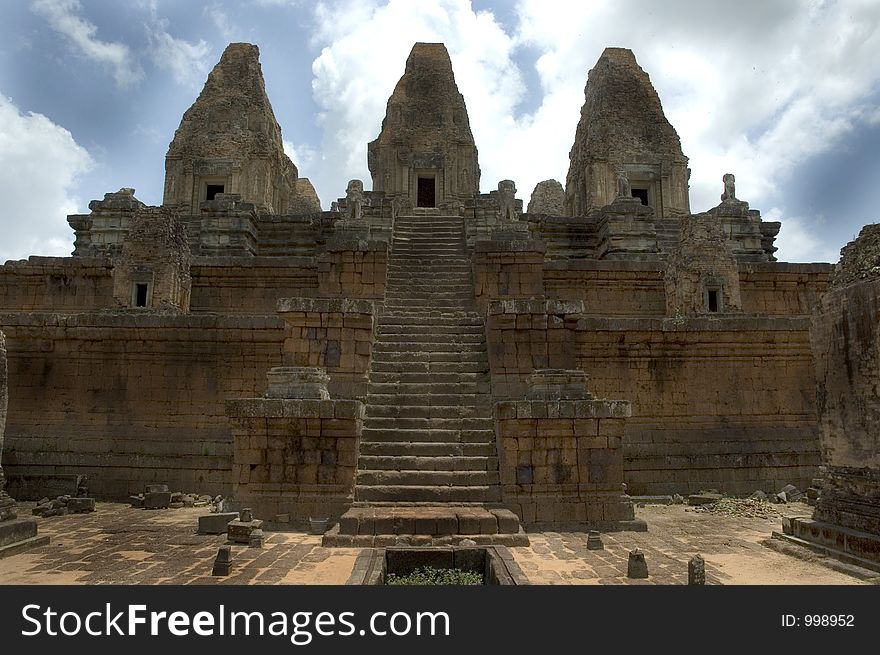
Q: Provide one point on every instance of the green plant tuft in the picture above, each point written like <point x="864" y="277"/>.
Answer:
<point x="428" y="575"/>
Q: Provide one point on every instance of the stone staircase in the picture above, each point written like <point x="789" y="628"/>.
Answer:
<point x="428" y="464"/>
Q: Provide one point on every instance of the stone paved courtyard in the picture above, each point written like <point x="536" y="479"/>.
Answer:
<point x="121" y="545"/>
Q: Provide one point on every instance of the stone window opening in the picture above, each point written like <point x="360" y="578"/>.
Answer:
<point x="641" y="194"/>
<point x="211" y="190"/>
<point x="140" y="294"/>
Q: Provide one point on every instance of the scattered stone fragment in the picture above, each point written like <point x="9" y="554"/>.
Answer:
<point x="677" y="499"/>
<point x="696" y="570"/>
<point x="746" y="507"/>
<point x="156" y="488"/>
<point x="759" y="495"/>
<point x="256" y="538"/>
<point x="157" y="500"/>
<point x="704" y="498"/>
<point x="64" y="505"/>
<point x="594" y="541"/>
<point x="137" y="501"/>
<point x="223" y="561"/>
<point x="216" y="523"/>
<point x="637" y="567"/>
<point x="80" y="505"/>
<point x="240" y="530"/>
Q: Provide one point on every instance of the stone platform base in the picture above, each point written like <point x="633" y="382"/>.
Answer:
<point x="850" y="546"/>
<point x="18" y="535"/>
<point x="426" y="525"/>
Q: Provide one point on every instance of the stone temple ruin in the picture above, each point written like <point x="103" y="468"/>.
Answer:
<point x="427" y="362"/>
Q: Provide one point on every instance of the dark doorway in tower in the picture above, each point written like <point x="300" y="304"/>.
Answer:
<point x="212" y="191"/>
<point x="641" y="194"/>
<point x="426" y="193"/>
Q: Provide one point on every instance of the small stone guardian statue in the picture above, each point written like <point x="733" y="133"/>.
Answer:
<point x="354" y="197"/>
<point x="507" y="201"/>
<point x="623" y="188"/>
<point x="729" y="187"/>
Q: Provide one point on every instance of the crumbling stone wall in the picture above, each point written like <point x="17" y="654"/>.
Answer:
<point x="508" y="268"/>
<point x="352" y="268"/>
<point x="294" y="456"/>
<point x="702" y="263"/>
<point x="4" y="401"/>
<point x="250" y="285"/>
<point x="846" y="346"/>
<point x="331" y="333"/>
<point x="53" y="284"/>
<point x="706" y="394"/>
<point x="154" y="253"/>
<point x="129" y="399"/>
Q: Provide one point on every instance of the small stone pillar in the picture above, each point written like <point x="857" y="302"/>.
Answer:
<point x="697" y="570"/>
<point x="561" y="460"/>
<point x="16" y="534"/>
<point x="636" y="566"/>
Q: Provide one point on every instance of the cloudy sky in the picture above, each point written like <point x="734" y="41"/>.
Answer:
<point x="785" y="94"/>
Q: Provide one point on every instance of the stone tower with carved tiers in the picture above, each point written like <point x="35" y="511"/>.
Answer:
<point x="622" y="129"/>
<point x="426" y="150"/>
<point x="229" y="142"/>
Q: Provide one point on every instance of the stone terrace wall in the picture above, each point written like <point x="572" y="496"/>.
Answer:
<point x="610" y="288"/>
<point x="250" y="285"/>
<point x="724" y="403"/>
<point x="55" y="284"/>
<point x="778" y="289"/>
<point x="130" y="398"/>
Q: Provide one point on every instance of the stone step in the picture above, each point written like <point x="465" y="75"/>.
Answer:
<point x="427" y="399"/>
<point x="464" y="320"/>
<point x="429" y="493"/>
<point x="428" y="367"/>
<point x="430" y="391"/>
<point x="397" y="295"/>
<point x="420" y="478"/>
<point x="462" y="423"/>
<point x="435" y="304"/>
<point x="475" y="520"/>
<point x="430" y="332"/>
<point x="407" y="354"/>
<point x="413" y="463"/>
<point x="423" y="347"/>
<point x="429" y="434"/>
<point x="429" y="338"/>
<point x="426" y="317"/>
<point x="448" y="412"/>
<point x="422" y="378"/>
<point x="430" y="449"/>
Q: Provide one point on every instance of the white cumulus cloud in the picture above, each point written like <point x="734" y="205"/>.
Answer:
<point x="756" y="92"/>
<point x="41" y="163"/>
<point x="63" y="17"/>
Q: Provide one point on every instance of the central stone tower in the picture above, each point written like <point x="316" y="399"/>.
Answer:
<point x="425" y="151"/>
